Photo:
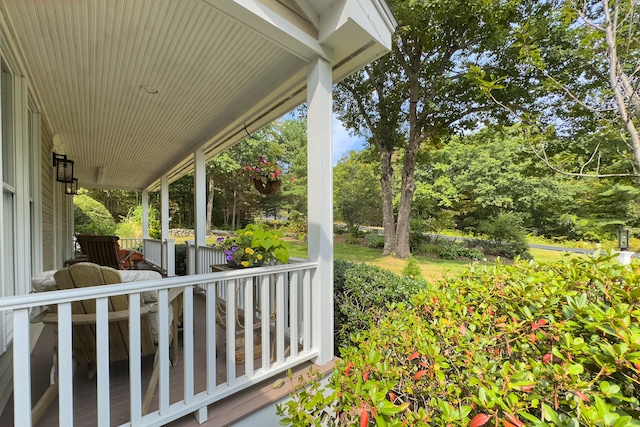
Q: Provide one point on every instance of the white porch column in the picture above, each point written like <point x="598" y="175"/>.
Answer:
<point x="145" y="214"/>
<point x="164" y="203"/>
<point x="200" y="207"/>
<point x="320" y="204"/>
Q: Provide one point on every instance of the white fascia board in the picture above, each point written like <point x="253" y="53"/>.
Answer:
<point x="312" y="15"/>
<point x="372" y="16"/>
<point x="274" y="27"/>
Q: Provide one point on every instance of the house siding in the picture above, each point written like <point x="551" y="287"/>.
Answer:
<point x="48" y="234"/>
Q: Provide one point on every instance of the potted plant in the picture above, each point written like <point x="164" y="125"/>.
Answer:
<point x="265" y="175"/>
<point x="253" y="246"/>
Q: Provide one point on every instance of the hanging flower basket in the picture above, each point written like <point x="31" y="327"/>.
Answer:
<point x="265" y="175"/>
<point x="269" y="188"/>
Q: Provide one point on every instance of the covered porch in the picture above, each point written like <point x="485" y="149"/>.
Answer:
<point x="139" y="94"/>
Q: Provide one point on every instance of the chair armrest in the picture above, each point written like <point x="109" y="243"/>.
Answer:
<point x="90" y="318"/>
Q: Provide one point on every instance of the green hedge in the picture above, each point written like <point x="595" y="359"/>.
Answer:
<point x="362" y="293"/>
<point x="553" y="344"/>
<point x="92" y="217"/>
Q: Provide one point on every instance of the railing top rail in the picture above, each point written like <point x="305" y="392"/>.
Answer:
<point x="70" y="295"/>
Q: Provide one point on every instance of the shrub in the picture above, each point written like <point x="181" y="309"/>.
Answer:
<point x="506" y="236"/>
<point x="375" y="240"/>
<point x="550" y="344"/>
<point x="361" y="296"/>
<point x="417" y="239"/>
<point x="411" y="269"/>
<point x="92" y="217"/>
<point x="452" y="250"/>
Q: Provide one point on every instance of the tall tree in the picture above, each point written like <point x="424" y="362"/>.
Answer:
<point x="585" y="57"/>
<point x="422" y="90"/>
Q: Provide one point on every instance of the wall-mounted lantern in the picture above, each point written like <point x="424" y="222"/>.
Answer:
<point x="623" y="239"/>
<point x="64" y="168"/>
<point x="71" y="188"/>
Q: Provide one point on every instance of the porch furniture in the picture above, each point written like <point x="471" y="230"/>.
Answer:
<point x="105" y="251"/>
<point x="84" y="326"/>
<point x="239" y="320"/>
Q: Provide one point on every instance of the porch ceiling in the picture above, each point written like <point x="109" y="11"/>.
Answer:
<point x="216" y="65"/>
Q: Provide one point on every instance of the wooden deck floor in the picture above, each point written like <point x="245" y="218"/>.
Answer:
<point x="85" y="405"/>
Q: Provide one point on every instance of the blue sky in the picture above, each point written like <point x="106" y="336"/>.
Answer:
<point x="342" y="141"/>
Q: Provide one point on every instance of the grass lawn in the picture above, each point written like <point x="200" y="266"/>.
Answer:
<point x="432" y="268"/>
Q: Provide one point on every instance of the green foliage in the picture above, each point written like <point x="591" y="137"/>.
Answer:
<point x="411" y="269"/>
<point x="361" y="295"/>
<point x="253" y="246"/>
<point x="506" y="236"/>
<point x="91" y="217"/>
<point x="374" y="240"/>
<point x="131" y="225"/>
<point x="554" y="344"/>
<point x="357" y="194"/>
<point x="452" y="250"/>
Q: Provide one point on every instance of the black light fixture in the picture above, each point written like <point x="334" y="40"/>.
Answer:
<point x="64" y="168"/>
<point x="623" y="239"/>
<point x="71" y="188"/>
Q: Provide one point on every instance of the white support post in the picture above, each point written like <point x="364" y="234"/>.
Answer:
<point x="164" y="220"/>
<point x="320" y="203"/>
<point x="145" y="214"/>
<point x="200" y="206"/>
<point x="164" y="216"/>
<point x="625" y="257"/>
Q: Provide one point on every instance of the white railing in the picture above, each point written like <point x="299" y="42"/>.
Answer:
<point x="285" y="336"/>
<point x="161" y="253"/>
<point x="131" y="244"/>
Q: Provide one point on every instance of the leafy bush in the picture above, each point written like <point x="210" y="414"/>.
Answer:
<point x="506" y="236"/>
<point x="362" y="294"/>
<point x="411" y="269"/>
<point x="374" y="240"/>
<point x="92" y="217"/>
<point x="417" y="239"/>
<point x="450" y="250"/>
<point x="551" y="344"/>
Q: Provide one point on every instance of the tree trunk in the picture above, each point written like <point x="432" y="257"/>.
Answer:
<point x="233" y="214"/>
<point x="209" y="204"/>
<point x="614" y="78"/>
<point x="388" y="220"/>
<point x="403" y="249"/>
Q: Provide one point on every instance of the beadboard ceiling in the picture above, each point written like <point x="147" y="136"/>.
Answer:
<point x="131" y="88"/>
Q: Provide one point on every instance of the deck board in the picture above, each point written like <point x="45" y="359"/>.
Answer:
<point x="85" y="405"/>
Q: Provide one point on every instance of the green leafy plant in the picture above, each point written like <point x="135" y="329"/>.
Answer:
<point x="411" y="268"/>
<point x="254" y="245"/>
<point x="536" y="344"/>
<point x="92" y="217"/>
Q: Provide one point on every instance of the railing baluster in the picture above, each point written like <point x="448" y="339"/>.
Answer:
<point x="163" y="348"/>
<point x="21" y="367"/>
<point x="231" y="331"/>
<point x="293" y="312"/>
<point x="187" y="343"/>
<point x="280" y="317"/>
<point x="265" y="309"/>
<point x="65" y="365"/>
<point x="249" y="314"/>
<point x="102" y="361"/>
<point x="306" y="310"/>
<point x="211" y="336"/>
<point x="135" y="364"/>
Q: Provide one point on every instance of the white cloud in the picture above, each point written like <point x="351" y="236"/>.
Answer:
<point x="342" y="141"/>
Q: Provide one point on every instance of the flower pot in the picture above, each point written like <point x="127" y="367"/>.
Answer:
<point x="234" y="264"/>
<point x="269" y="188"/>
